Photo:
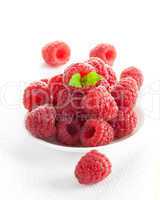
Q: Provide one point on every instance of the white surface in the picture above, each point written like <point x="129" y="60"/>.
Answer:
<point x="30" y="171"/>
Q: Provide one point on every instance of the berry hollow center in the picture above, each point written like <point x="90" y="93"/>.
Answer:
<point x="109" y="55"/>
<point x="61" y="54"/>
<point x="71" y="129"/>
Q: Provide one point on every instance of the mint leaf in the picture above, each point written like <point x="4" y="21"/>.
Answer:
<point x="91" y="79"/>
<point x="75" y="80"/>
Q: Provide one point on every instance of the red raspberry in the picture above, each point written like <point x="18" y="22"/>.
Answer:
<point x="99" y="66"/>
<point x="103" y="69"/>
<point x="82" y="68"/>
<point x="111" y="76"/>
<point x="134" y="73"/>
<point x="125" y="93"/>
<point x="100" y="104"/>
<point x="124" y="123"/>
<point x="36" y="94"/>
<point x="57" y="89"/>
<point x="92" y="168"/>
<point x="68" y="132"/>
<point x="40" y="122"/>
<point x="105" y="84"/>
<point x="96" y="133"/>
<point x="56" y="53"/>
<point x="66" y="114"/>
<point x="104" y="51"/>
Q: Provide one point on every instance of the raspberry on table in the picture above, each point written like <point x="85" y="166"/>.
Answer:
<point x="134" y="73"/>
<point x="56" y="53"/>
<point x="92" y="168"/>
<point x="124" y="123"/>
<point x="36" y="94"/>
<point x="125" y="93"/>
<point x="68" y="132"/>
<point x="40" y="122"/>
<point x="104" y="51"/>
<point x="100" y="104"/>
<point x="96" y="133"/>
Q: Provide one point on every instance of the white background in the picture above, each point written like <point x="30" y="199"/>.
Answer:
<point x="30" y="171"/>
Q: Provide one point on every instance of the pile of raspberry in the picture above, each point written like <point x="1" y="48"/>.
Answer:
<point x="86" y="105"/>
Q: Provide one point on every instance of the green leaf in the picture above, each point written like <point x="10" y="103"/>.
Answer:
<point x="75" y="80"/>
<point x="91" y="79"/>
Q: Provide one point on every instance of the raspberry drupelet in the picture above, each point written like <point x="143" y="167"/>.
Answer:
<point x="92" y="168"/>
<point x="56" y="53"/>
<point x="96" y="133"/>
<point x="40" y="122"/>
<point x="104" y="51"/>
<point x="36" y="94"/>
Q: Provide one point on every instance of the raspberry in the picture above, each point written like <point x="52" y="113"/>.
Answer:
<point x="104" y="51"/>
<point x="105" y="84"/>
<point x="111" y="76"/>
<point x="57" y="89"/>
<point x="103" y="69"/>
<point x="134" y="73"/>
<point x="81" y="68"/>
<point x="99" y="66"/>
<point x="56" y="53"/>
<point x="40" y="122"/>
<point x="125" y="93"/>
<point x="92" y="168"/>
<point x="100" y="104"/>
<point x="68" y="132"/>
<point x="36" y="94"/>
<point x="124" y="123"/>
<point x="96" y="133"/>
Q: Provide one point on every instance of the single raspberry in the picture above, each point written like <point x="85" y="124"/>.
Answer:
<point x="92" y="168"/>
<point x="124" y="123"/>
<point x="56" y="53"/>
<point x="78" y="68"/>
<point x="134" y="73"/>
<point x="100" y="104"/>
<point x="68" y="132"/>
<point x="40" y="122"/>
<point x="96" y="133"/>
<point x="57" y="89"/>
<point x="36" y="94"/>
<point x="104" y="51"/>
<point x="125" y="93"/>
